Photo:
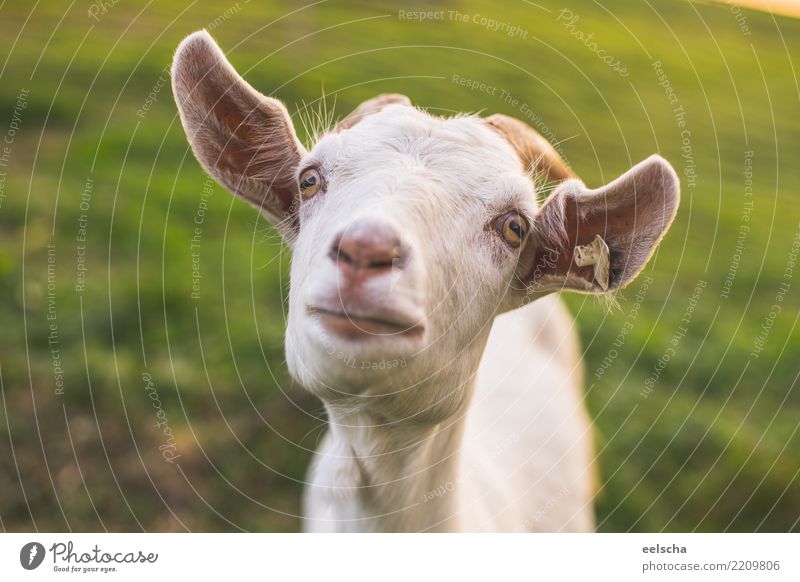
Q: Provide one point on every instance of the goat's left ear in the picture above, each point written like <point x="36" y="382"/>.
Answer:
<point x="595" y="241"/>
<point x="245" y="140"/>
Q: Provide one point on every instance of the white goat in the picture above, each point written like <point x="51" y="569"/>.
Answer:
<point x="421" y="308"/>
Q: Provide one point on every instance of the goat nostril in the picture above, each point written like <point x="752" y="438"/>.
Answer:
<point x="339" y="254"/>
<point x="385" y="259"/>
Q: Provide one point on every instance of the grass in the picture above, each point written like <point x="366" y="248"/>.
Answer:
<point x="713" y="446"/>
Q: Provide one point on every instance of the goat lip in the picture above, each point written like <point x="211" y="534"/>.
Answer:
<point x="355" y="326"/>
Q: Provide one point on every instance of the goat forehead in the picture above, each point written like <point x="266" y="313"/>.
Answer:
<point x="402" y="138"/>
<point x="402" y="187"/>
<point x="419" y="171"/>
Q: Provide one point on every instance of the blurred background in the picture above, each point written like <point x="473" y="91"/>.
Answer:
<point x="142" y="376"/>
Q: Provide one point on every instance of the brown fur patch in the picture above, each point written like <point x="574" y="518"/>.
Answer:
<point x="534" y="151"/>
<point x="371" y="106"/>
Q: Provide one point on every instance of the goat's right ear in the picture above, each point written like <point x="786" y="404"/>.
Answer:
<point x="244" y="139"/>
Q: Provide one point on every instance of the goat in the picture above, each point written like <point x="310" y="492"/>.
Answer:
<point x="421" y="307"/>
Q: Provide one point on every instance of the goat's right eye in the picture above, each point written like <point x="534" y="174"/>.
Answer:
<point x="310" y="183"/>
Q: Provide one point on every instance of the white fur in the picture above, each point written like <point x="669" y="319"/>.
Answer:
<point x="450" y="442"/>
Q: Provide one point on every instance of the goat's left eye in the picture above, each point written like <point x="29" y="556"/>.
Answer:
<point x="512" y="227"/>
<point x="310" y="183"/>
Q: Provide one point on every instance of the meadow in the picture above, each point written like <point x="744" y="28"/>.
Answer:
<point x="142" y="376"/>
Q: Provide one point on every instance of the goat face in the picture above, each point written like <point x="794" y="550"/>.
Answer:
<point x="400" y="258"/>
<point x="410" y="232"/>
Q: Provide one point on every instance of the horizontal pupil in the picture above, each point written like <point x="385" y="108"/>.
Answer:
<point x="308" y="182"/>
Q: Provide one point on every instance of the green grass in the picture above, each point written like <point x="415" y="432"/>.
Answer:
<point x="713" y="447"/>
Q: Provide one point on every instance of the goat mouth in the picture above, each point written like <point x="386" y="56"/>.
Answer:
<point x="352" y="326"/>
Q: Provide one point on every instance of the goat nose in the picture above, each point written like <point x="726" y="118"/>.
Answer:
<point x="368" y="246"/>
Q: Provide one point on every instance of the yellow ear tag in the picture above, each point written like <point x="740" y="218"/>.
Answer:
<point x="595" y="253"/>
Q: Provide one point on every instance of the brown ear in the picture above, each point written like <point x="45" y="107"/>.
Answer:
<point x="534" y="151"/>
<point x="245" y="140"/>
<point x="371" y="106"/>
<point x="629" y="216"/>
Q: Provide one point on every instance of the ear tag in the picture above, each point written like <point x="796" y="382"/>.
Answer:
<point x="595" y="253"/>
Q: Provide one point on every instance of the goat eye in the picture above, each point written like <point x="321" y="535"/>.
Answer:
<point x="310" y="183"/>
<point x="512" y="227"/>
